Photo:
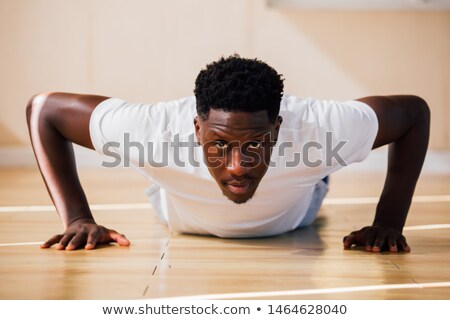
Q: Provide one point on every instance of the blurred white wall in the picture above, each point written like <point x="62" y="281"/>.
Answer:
<point x="148" y="50"/>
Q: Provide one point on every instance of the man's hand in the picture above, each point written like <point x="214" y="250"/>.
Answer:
<point x="87" y="233"/>
<point x="377" y="239"/>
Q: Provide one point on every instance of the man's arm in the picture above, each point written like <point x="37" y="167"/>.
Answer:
<point x="404" y="124"/>
<point x="55" y="120"/>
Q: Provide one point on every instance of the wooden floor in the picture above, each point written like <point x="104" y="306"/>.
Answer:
<point x="305" y="264"/>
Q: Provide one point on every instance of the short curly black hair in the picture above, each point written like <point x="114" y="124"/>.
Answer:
<point x="239" y="84"/>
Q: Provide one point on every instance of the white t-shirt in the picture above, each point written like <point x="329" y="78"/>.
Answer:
<point x="316" y="138"/>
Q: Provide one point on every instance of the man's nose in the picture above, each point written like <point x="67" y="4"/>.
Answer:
<point x="238" y="164"/>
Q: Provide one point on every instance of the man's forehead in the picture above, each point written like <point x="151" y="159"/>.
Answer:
<point x="222" y="120"/>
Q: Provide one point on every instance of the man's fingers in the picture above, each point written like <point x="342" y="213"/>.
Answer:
<point x="370" y="241"/>
<point x="378" y="244"/>
<point x="349" y="241"/>
<point x="78" y="240"/>
<point x="51" y="241"/>
<point x="88" y="236"/>
<point x="402" y="245"/>
<point x="64" y="241"/>
<point x="392" y="244"/>
<point x="92" y="240"/>
<point x="119" y="238"/>
<point x="377" y="239"/>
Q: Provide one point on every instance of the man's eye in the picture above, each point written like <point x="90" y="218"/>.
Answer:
<point x="254" y="144"/>
<point x="220" y="144"/>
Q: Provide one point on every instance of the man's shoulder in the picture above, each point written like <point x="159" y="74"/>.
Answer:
<point x="294" y="110"/>
<point x="290" y="99"/>
<point x="181" y="102"/>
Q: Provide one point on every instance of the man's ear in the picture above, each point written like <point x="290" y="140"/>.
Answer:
<point x="273" y="134"/>
<point x="278" y="123"/>
<point x="197" y="126"/>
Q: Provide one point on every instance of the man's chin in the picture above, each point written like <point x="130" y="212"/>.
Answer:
<point x="239" y="199"/>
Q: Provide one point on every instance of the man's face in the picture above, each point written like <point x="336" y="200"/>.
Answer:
<point x="237" y="148"/>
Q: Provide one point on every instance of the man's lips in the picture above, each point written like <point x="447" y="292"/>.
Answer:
<point x="239" y="187"/>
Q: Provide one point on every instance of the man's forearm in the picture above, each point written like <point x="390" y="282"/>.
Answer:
<point x="406" y="157"/>
<point x="55" y="157"/>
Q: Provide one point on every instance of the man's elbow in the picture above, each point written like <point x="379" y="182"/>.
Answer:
<point x="35" y="105"/>
<point x="422" y="110"/>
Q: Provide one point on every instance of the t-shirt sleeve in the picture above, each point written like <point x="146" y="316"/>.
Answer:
<point x="115" y="123"/>
<point x="99" y="130"/>
<point x="137" y="133"/>
<point x="349" y="129"/>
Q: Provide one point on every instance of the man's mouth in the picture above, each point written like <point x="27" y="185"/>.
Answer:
<point x="240" y="187"/>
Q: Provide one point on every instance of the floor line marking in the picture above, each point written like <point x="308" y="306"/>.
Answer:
<point x="134" y="206"/>
<point x="131" y="206"/>
<point x="410" y="228"/>
<point x="265" y="294"/>
<point x="41" y="242"/>
<point x="374" y="200"/>
<point x="20" y="244"/>
<point x="99" y="207"/>
<point x="427" y="227"/>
